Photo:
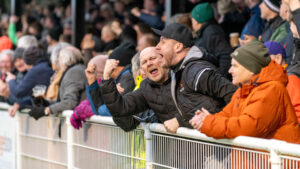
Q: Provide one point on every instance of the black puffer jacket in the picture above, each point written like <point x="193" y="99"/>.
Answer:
<point x="150" y="95"/>
<point x="199" y="84"/>
<point x="212" y="37"/>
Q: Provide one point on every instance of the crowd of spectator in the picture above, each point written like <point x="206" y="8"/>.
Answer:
<point x="136" y="66"/>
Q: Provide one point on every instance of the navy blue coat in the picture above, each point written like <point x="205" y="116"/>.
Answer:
<point x="39" y="74"/>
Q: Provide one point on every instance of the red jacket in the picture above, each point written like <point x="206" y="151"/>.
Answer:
<point x="5" y="43"/>
<point x="262" y="109"/>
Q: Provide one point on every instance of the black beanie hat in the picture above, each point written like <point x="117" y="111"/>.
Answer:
<point x="31" y="55"/>
<point x="18" y="54"/>
<point x="274" y="5"/>
<point x="123" y="53"/>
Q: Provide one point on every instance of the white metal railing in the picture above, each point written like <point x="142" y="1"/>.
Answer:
<point x="101" y="144"/>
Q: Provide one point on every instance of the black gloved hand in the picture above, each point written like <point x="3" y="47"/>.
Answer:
<point x="37" y="112"/>
<point x="39" y="101"/>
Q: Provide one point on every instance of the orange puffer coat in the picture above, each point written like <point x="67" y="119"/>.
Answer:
<point x="262" y="109"/>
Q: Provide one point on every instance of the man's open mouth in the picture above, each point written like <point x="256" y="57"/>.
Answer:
<point x="153" y="71"/>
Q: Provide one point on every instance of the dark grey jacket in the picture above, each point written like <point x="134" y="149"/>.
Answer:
<point x="71" y="89"/>
<point x="199" y="84"/>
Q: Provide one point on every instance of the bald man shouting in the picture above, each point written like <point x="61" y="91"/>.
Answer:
<point x="154" y="92"/>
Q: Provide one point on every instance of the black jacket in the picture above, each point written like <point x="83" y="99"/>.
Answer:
<point x="111" y="45"/>
<point x="212" y="37"/>
<point x="294" y="67"/>
<point x="199" y="84"/>
<point x="270" y="27"/>
<point x="150" y="95"/>
<point x="296" y="54"/>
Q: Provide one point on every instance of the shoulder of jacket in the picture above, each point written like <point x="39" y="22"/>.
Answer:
<point x="77" y="68"/>
<point x="198" y="65"/>
<point x="271" y="87"/>
<point x="75" y="72"/>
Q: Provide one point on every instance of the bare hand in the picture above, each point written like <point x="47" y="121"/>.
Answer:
<point x="247" y="39"/>
<point x="110" y="66"/>
<point x="90" y="73"/>
<point x="198" y="119"/>
<point x="9" y="77"/>
<point x="12" y="111"/>
<point x="136" y="12"/>
<point x="4" y="90"/>
<point x="120" y="88"/>
<point x="13" y="19"/>
<point x="171" y="125"/>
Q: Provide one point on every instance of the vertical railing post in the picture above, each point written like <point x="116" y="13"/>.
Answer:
<point x="275" y="159"/>
<point x="149" y="148"/>
<point x="70" y="142"/>
<point x="18" y="142"/>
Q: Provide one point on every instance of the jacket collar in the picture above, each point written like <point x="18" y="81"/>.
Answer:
<point x="275" y="22"/>
<point x="126" y="69"/>
<point x="255" y="9"/>
<point x="153" y="84"/>
<point x="204" y="26"/>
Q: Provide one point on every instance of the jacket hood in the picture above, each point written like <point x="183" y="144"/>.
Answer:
<point x="272" y="72"/>
<point x="193" y="54"/>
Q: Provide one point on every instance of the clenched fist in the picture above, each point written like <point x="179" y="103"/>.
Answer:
<point x="90" y="73"/>
<point x="171" y="125"/>
<point x="110" y="66"/>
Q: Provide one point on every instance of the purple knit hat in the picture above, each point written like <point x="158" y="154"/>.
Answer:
<point x="275" y="48"/>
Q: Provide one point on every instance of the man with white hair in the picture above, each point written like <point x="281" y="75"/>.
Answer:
<point x="27" y="41"/>
<point x="5" y="63"/>
<point x="6" y="66"/>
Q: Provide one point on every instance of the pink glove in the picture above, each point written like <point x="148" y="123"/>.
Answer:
<point x="84" y="110"/>
<point x="75" y="121"/>
<point x="81" y="113"/>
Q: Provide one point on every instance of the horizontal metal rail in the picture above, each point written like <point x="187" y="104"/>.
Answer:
<point x="43" y="159"/>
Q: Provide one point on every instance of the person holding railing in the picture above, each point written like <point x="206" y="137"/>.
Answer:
<point x="153" y="93"/>
<point x="196" y="82"/>
<point x="71" y="85"/>
<point x="261" y="107"/>
<point x="38" y="73"/>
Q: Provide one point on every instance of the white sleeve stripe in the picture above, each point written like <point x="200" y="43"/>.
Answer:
<point x="199" y="77"/>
